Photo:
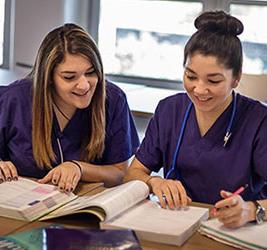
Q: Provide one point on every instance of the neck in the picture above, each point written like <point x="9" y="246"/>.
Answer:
<point x="205" y="120"/>
<point x="63" y="115"/>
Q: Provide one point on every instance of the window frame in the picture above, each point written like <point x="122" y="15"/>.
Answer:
<point x="7" y="32"/>
<point x="94" y="10"/>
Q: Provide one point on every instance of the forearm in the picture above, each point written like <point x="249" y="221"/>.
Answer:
<point x="137" y="171"/>
<point x="110" y="175"/>
<point x="136" y="174"/>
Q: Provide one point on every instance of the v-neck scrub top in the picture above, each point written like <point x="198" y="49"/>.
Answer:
<point x="121" y="140"/>
<point x="204" y="165"/>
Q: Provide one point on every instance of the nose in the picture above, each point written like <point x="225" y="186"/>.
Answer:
<point x="200" y="87"/>
<point x="83" y="83"/>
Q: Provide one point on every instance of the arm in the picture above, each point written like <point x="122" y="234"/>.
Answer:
<point x="170" y="193"/>
<point x="111" y="175"/>
<point x="67" y="175"/>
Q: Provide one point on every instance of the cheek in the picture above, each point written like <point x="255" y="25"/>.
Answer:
<point x="187" y="85"/>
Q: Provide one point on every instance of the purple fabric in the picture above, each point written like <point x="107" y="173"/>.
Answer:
<point x="204" y="164"/>
<point x="16" y="128"/>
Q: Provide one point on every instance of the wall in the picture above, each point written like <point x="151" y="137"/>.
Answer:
<point x="33" y="19"/>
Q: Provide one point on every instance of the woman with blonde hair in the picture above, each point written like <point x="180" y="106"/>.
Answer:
<point x="64" y="122"/>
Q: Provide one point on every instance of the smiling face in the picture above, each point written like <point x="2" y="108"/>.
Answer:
<point x="75" y="82"/>
<point x="208" y="83"/>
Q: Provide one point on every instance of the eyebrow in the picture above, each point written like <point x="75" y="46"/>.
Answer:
<point x="73" y="72"/>
<point x="212" y="74"/>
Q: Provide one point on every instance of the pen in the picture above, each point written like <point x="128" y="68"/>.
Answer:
<point x="237" y="192"/>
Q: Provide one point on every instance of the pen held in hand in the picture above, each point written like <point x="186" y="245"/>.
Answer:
<point x="237" y="192"/>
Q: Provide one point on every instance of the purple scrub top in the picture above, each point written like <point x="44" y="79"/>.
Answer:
<point x="204" y="165"/>
<point x="16" y="127"/>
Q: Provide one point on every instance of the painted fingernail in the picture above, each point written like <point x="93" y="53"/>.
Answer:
<point x="15" y="178"/>
<point x="1" y="180"/>
<point x="54" y="181"/>
<point x="9" y="179"/>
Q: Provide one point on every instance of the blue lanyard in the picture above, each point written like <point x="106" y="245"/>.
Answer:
<point x="228" y="134"/>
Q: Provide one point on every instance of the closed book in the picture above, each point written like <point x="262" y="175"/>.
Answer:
<point x="250" y="236"/>
<point x="69" y="239"/>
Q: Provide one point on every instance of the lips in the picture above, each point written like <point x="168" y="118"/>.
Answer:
<point x="203" y="99"/>
<point x="81" y="94"/>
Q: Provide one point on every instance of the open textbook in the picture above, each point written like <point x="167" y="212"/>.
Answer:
<point x="122" y="207"/>
<point x="126" y="207"/>
<point x="28" y="200"/>
<point x="250" y="236"/>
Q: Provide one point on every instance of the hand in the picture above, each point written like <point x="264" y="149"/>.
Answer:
<point x="233" y="211"/>
<point x="170" y="193"/>
<point x="66" y="176"/>
<point x="8" y="171"/>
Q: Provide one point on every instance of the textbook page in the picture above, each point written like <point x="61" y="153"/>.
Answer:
<point x="250" y="236"/>
<point x="153" y="223"/>
<point x="106" y="204"/>
<point x="25" y="199"/>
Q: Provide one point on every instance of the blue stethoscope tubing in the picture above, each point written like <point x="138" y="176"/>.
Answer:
<point x="228" y="134"/>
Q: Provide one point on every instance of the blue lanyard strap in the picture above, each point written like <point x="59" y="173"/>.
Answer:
<point x="178" y="146"/>
<point x="230" y="124"/>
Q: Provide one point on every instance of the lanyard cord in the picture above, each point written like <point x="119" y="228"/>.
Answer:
<point x="60" y="151"/>
<point x="179" y="141"/>
<point x="230" y="124"/>
<point x="178" y="146"/>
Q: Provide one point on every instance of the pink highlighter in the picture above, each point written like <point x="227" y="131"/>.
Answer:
<point x="237" y="192"/>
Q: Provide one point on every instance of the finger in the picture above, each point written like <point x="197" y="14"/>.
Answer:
<point x="227" y="202"/>
<point x="2" y="178"/>
<point x="6" y="173"/>
<point x="182" y="193"/>
<point x="13" y="170"/>
<point x="225" y="194"/>
<point x="175" y="196"/>
<point x="47" y="178"/>
<point x="161" y="198"/>
<point x="69" y="183"/>
<point x="75" y="182"/>
<point x="167" y="195"/>
<point x="56" y="177"/>
<point x="228" y="221"/>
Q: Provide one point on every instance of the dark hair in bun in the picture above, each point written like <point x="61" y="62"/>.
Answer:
<point x="220" y="22"/>
<point x="217" y="36"/>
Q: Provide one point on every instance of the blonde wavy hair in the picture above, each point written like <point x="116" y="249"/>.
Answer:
<point x="72" y="39"/>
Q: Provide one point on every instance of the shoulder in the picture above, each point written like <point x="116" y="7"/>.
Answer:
<point x="113" y="90"/>
<point x="174" y="103"/>
<point x="114" y="95"/>
<point x="252" y="108"/>
<point x="15" y="90"/>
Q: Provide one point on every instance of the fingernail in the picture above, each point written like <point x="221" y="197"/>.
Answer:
<point x="15" y="178"/>
<point x="71" y="189"/>
<point x="9" y="179"/>
<point x="54" y="181"/>
<point x="234" y="201"/>
<point x="1" y="180"/>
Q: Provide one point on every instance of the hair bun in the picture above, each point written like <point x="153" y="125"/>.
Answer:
<point x="219" y="22"/>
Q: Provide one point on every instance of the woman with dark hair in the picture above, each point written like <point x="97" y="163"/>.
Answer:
<point x="64" y="122"/>
<point x="209" y="139"/>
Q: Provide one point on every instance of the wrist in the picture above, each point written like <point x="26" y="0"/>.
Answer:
<point x="78" y="165"/>
<point x="252" y="211"/>
<point x="150" y="181"/>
